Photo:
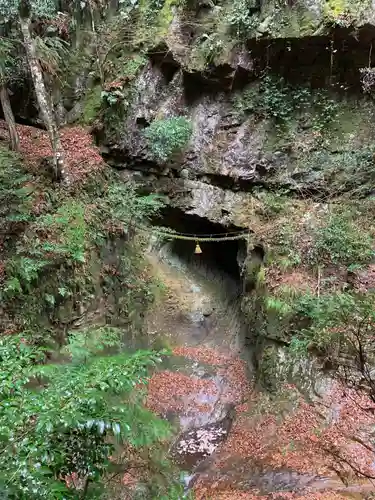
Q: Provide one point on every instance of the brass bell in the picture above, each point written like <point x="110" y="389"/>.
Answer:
<point x="197" y="248"/>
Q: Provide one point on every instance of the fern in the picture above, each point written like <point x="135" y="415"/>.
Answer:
<point x="52" y="54"/>
<point x="22" y="272"/>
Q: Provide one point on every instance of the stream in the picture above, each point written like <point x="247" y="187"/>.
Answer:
<point x="207" y="379"/>
<point x="200" y="318"/>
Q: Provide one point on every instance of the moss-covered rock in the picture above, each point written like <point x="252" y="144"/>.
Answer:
<point x="91" y="105"/>
<point x="268" y="373"/>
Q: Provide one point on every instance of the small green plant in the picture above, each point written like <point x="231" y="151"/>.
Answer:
<point x="22" y="273"/>
<point x="124" y="206"/>
<point x="168" y="136"/>
<point x="341" y="241"/>
<point x="345" y="171"/>
<point x="299" y="346"/>
<point x="284" y="249"/>
<point x="342" y="12"/>
<point x="273" y="204"/>
<point x="133" y="65"/>
<point x="337" y="322"/>
<point x="208" y="47"/>
<point x="277" y="306"/>
<point x="112" y="97"/>
<point x="326" y="109"/>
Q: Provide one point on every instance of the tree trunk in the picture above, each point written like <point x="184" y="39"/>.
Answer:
<point x="9" y="118"/>
<point x="44" y="102"/>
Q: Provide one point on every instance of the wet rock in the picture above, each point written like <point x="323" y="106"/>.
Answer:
<point x="207" y="310"/>
<point x="194" y="445"/>
<point x="196" y="317"/>
<point x="184" y="173"/>
<point x="248" y="474"/>
<point x="201" y="441"/>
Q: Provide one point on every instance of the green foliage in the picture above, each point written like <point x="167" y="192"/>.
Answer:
<point x="67" y="231"/>
<point x="52" y="52"/>
<point x="273" y="204"/>
<point x="124" y="206"/>
<point x="168" y="136"/>
<point x="57" y="236"/>
<point x="334" y="322"/>
<point x="16" y="191"/>
<point x="133" y="65"/>
<point x="23" y="272"/>
<point x="208" y="47"/>
<point x="277" y="306"/>
<point x="276" y="99"/>
<point x="241" y="18"/>
<point x="39" y="8"/>
<point x="86" y="343"/>
<point x="64" y="237"/>
<point x="72" y="417"/>
<point x="11" y="67"/>
<point x="92" y="105"/>
<point x="342" y="241"/>
<point x="152" y="8"/>
<point x="344" y="171"/>
<point x="113" y="97"/>
<point x="117" y="95"/>
<point x="284" y="248"/>
<point x="344" y="13"/>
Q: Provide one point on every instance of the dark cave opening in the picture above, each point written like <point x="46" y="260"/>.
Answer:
<point x="221" y="258"/>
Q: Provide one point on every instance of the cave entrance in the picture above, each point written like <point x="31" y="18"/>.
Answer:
<point x="221" y="260"/>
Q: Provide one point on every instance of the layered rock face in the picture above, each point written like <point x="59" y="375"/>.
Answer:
<point x="250" y="114"/>
<point x="283" y="111"/>
<point x="281" y="143"/>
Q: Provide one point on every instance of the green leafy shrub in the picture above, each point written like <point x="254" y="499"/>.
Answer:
<point x="277" y="306"/>
<point x="207" y="47"/>
<point x="22" y="273"/>
<point x="342" y="241"/>
<point x="273" y="204"/>
<point x="62" y="235"/>
<point x="344" y="171"/>
<point x="123" y="206"/>
<point x="53" y="53"/>
<point x="284" y="250"/>
<point x="168" y="136"/>
<point x="133" y="65"/>
<point x="73" y="417"/>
